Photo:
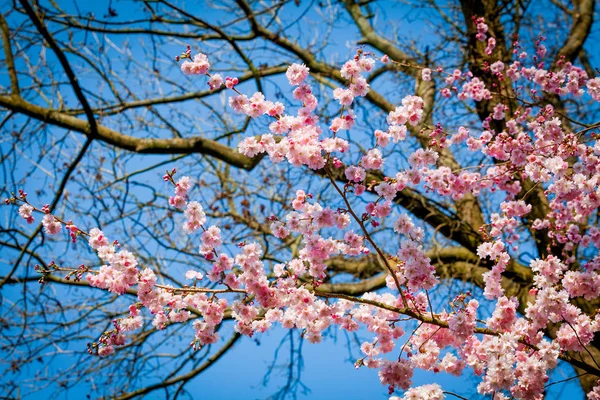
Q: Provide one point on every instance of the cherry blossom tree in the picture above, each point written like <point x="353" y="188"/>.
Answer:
<point x="371" y="181"/>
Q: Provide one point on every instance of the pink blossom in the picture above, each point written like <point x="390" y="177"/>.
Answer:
<point x="355" y="174"/>
<point x="25" y="212"/>
<point x="345" y="97"/>
<point x="499" y="111"/>
<point x="386" y="190"/>
<point x="51" y="224"/>
<point x="177" y="201"/>
<point x="97" y="239"/>
<point x="199" y="65"/>
<point x="431" y="391"/>
<point x="195" y="216"/>
<point x="279" y="230"/>
<point x="491" y="250"/>
<point x="104" y="351"/>
<point x="398" y="132"/>
<point x="239" y="103"/>
<point x="497" y="67"/>
<point x="515" y="208"/>
<point x="462" y="322"/>
<point x="215" y="82"/>
<point x="296" y="74"/>
<point x="191" y="274"/>
<point x="359" y="88"/>
<point x="359" y="189"/>
<point x="373" y="159"/>
<point x="593" y="87"/>
<point x="231" y="82"/>
<point x="595" y="393"/>
<point x="426" y="74"/>
<point x="383" y="138"/>
<point x="350" y="69"/>
<point x="211" y="238"/>
<point x="396" y="373"/>
<point x="422" y="158"/>
<point x="182" y="186"/>
<point x="250" y="147"/>
<point x="491" y="45"/>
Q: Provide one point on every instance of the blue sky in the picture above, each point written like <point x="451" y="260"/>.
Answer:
<point x="328" y="369"/>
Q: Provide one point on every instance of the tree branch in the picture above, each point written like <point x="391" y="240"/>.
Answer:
<point x="93" y="127"/>
<point x="138" y="145"/>
<point x="10" y="63"/>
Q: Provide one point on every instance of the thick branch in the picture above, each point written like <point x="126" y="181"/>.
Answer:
<point x="10" y="63"/>
<point x="138" y="145"/>
<point x="583" y="17"/>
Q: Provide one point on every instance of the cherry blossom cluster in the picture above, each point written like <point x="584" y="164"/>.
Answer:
<point x="198" y="66"/>
<point x="529" y="158"/>
<point x="300" y="142"/>
<point x="524" y="146"/>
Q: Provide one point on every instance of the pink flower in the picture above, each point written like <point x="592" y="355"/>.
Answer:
<point x="195" y="216"/>
<point x="177" y="201"/>
<point x="397" y="132"/>
<point x="298" y="202"/>
<point x="491" y="250"/>
<point x="373" y="159"/>
<point x="104" y="351"/>
<point x="250" y="147"/>
<point x="422" y="158"/>
<point x="366" y="64"/>
<point x="499" y="111"/>
<point x="497" y="67"/>
<point x="25" y="212"/>
<point x="51" y="224"/>
<point x="279" y="230"/>
<point x="359" y="189"/>
<point x="296" y="74"/>
<point x="344" y="96"/>
<point x="231" y="82"/>
<point x="199" y="65"/>
<point x="355" y="174"/>
<point x="593" y="87"/>
<point x="426" y="74"/>
<point x="431" y="391"/>
<point x="97" y="239"/>
<point x="215" y="82"/>
<point x="491" y="46"/>
<point x="186" y="67"/>
<point x="381" y="210"/>
<point x="359" y="87"/>
<point x="182" y="186"/>
<point x="239" y="103"/>
<point x="211" y="238"/>
<point x="396" y="373"/>
<point x="160" y="321"/>
<point x="131" y="323"/>
<point x="386" y="190"/>
<point x="342" y="220"/>
<point x="462" y="322"/>
<point x="350" y="69"/>
<point x="191" y="274"/>
<point x="383" y="138"/>
<point x="515" y="208"/>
